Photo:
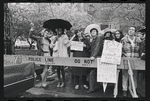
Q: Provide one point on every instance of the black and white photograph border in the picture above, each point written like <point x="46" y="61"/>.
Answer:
<point x="36" y="64"/>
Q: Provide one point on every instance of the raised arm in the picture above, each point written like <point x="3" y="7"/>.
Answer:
<point x="33" y="36"/>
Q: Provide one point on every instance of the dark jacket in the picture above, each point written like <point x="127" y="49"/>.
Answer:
<point x="97" y="46"/>
<point x="84" y="53"/>
<point x="142" y="49"/>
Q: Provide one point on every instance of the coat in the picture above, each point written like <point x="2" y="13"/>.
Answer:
<point x="97" y="47"/>
<point x="61" y="47"/>
<point x="84" y="53"/>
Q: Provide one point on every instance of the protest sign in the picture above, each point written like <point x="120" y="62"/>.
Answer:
<point x="106" y="72"/>
<point x="111" y="52"/>
<point x="75" y="45"/>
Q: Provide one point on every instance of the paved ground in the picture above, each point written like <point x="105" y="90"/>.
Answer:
<point x="67" y="91"/>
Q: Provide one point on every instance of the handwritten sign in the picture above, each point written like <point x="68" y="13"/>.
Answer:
<point x="111" y="52"/>
<point x="106" y="72"/>
<point x="75" y="45"/>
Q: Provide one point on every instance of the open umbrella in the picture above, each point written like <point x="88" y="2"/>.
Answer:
<point x="91" y="26"/>
<point x="57" y="23"/>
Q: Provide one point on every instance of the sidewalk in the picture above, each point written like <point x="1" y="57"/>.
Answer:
<point x="68" y="91"/>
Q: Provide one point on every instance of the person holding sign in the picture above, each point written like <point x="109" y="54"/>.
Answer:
<point x="118" y="36"/>
<point x="96" y="51"/>
<point x="131" y="47"/>
<point x="79" y="71"/>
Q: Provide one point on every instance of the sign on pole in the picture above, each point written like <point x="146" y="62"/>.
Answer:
<point x="106" y="72"/>
<point x="111" y="52"/>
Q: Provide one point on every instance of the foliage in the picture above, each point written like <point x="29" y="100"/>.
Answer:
<point x="23" y="14"/>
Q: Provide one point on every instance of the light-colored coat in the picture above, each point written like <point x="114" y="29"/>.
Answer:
<point x="60" y="49"/>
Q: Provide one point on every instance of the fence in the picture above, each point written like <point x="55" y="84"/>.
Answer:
<point x="7" y="47"/>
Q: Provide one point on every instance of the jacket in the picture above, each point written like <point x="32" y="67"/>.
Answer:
<point x="86" y="50"/>
<point x="97" y="46"/>
<point x="129" y="50"/>
<point x="85" y="53"/>
<point x="61" y="46"/>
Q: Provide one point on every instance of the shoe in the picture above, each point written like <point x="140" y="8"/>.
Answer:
<point x="43" y="85"/>
<point x="62" y="85"/>
<point x="124" y="93"/>
<point x="58" y="85"/>
<point x="77" y="87"/>
<point x="86" y="87"/>
<point x="90" y="91"/>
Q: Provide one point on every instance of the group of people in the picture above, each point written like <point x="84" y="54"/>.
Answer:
<point x="57" y="44"/>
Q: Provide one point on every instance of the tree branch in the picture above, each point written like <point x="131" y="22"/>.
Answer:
<point x="51" y="10"/>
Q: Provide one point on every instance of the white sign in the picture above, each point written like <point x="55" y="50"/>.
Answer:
<point x="12" y="60"/>
<point x="106" y="72"/>
<point x="75" y="45"/>
<point x="111" y="52"/>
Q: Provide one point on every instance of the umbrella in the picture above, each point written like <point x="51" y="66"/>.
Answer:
<point x="57" y="23"/>
<point x="91" y="26"/>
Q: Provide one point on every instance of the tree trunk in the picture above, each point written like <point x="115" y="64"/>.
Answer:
<point x="30" y="43"/>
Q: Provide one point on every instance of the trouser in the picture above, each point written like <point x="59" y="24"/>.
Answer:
<point x="61" y="69"/>
<point x="93" y="84"/>
<point x="125" y="78"/>
<point x="39" y="71"/>
<point x="77" y="78"/>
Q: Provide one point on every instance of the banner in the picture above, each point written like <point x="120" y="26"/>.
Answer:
<point x="111" y="52"/>
<point x="76" y="45"/>
<point x="106" y="72"/>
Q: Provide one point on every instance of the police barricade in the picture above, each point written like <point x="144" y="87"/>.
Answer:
<point x="126" y="63"/>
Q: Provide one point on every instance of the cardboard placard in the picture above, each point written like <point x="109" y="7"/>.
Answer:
<point x="76" y="45"/>
<point x="111" y="52"/>
<point x="106" y="72"/>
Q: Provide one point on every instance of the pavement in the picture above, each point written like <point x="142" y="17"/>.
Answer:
<point x="68" y="91"/>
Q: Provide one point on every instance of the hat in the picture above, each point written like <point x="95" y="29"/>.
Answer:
<point x="94" y="29"/>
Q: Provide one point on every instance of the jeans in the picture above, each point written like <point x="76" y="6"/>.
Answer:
<point x="125" y="78"/>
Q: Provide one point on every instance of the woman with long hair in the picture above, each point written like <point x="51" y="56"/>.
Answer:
<point x="44" y="46"/>
<point x="118" y="35"/>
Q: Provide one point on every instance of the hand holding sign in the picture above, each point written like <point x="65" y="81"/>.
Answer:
<point x="75" y="45"/>
<point x="84" y="45"/>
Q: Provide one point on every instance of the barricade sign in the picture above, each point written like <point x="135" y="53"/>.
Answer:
<point x="106" y="72"/>
<point x="65" y="61"/>
<point x="12" y="60"/>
